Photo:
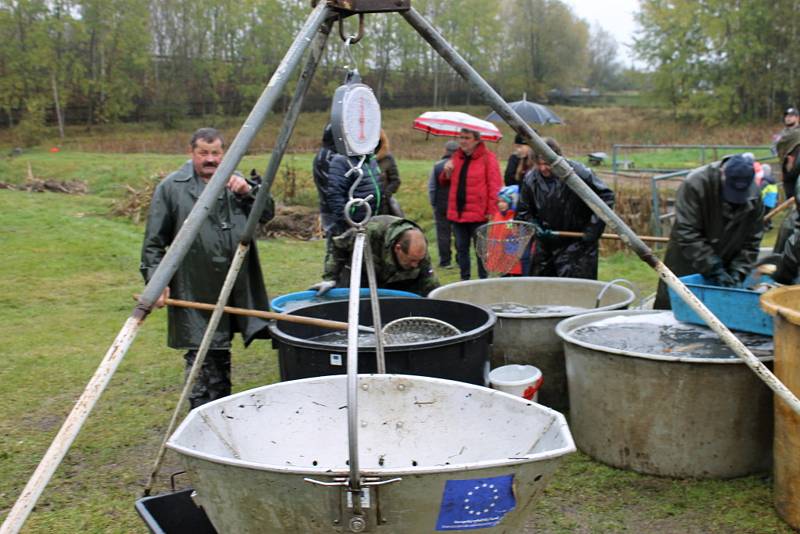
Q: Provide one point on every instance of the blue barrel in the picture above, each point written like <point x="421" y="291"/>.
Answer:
<point x="300" y="299"/>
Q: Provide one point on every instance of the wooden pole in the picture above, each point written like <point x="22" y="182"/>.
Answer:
<point x="613" y="236"/>
<point x="785" y="204"/>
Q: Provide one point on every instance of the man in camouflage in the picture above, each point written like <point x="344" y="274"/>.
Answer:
<point x="399" y="251"/>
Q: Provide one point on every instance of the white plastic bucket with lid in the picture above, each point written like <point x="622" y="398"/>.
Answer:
<point x="521" y="380"/>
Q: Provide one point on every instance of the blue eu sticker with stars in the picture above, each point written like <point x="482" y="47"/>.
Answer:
<point x="476" y="503"/>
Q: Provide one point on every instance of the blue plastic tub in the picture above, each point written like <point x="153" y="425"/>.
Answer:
<point x="292" y="301"/>
<point x="738" y="309"/>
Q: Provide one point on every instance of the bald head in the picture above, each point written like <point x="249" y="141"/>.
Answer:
<point x="410" y="249"/>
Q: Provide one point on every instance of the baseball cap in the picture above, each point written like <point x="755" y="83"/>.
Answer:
<point x="738" y="174"/>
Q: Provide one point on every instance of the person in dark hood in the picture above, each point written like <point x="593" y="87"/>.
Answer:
<point x="390" y="177"/>
<point x="320" y="168"/>
<point x="789" y="154"/>
<point x="519" y="162"/>
<point x="719" y="223"/>
<point x="438" y="195"/>
<point x="203" y="270"/>
<point x="551" y="205"/>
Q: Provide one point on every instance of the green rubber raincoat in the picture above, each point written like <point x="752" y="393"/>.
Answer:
<point x="708" y="229"/>
<point x="202" y="272"/>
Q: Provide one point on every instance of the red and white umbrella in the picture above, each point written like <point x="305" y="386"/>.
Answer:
<point x="450" y="124"/>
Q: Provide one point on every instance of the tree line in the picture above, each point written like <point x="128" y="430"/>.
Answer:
<point x="100" y="61"/>
<point x="721" y="60"/>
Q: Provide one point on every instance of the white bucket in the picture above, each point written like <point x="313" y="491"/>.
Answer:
<point x="520" y="380"/>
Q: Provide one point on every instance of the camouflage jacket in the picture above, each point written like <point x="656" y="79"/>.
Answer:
<point x="383" y="231"/>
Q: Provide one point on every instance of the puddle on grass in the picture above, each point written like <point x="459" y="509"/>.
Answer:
<point x="660" y="334"/>
<point x="514" y="308"/>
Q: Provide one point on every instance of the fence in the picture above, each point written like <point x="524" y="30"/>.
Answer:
<point x="656" y="216"/>
<point x="705" y="151"/>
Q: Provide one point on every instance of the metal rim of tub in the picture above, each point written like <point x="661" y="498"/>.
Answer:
<point x="558" y="419"/>
<point x="464" y="336"/>
<point x="565" y="328"/>
<point x="516" y="279"/>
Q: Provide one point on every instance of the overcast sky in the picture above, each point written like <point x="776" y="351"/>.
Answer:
<point x="616" y="16"/>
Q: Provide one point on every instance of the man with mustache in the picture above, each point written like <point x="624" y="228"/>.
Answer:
<point x="203" y="270"/>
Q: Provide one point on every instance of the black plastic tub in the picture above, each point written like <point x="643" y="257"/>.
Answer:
<point x="174" y="513"/>
<point x="464" y="357"/>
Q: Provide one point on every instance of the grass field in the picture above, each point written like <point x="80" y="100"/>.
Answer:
<point x="66" y="282"/>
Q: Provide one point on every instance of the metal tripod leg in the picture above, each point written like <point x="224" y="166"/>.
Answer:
<point x="376" y="309"/>
<point x="564" y="171"/>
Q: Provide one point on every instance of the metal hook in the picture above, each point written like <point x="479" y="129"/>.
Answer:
<point x="355" y="203"/>
<point x="353" y="39"/>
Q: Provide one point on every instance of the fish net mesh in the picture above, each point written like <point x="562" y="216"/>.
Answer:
<point x="500" y="245"/>
<point x="415" y="329"/>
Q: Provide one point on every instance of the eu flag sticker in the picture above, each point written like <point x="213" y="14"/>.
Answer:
<point x="476" y="503"/>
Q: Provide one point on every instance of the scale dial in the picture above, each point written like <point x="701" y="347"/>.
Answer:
<point x="356" y="119"/>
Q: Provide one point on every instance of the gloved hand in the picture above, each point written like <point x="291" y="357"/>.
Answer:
<point x="543" y="234"/>
<point x="322" y="287"/>
<point x="592" y="234"/>
<point x="722" y="278"/>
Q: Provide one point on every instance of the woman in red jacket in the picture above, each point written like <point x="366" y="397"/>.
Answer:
<point x="474" y="178"/>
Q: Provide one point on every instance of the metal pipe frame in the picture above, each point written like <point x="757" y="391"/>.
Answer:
<point x="352" y="367"/>
<point x="380" y="353"/>
<point x="177" y="251"/>
<point x="564" y="172"/>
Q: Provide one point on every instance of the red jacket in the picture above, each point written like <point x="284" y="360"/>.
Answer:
<point x="483" y="184"/>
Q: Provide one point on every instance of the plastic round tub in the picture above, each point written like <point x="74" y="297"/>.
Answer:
<point x="530" y="338"/>
<point x="291" y="301"/>
<point x="784" y="305"/>
<point x="676" y="416"/>
<point x="464" y="357"/>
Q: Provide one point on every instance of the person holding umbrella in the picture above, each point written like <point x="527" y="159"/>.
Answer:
<point x="473" y="175"/>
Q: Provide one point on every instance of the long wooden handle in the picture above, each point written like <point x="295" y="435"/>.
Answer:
<point x="299" y="319"/>
<point x="654" y="239"/>
<point x="785" y="204"/>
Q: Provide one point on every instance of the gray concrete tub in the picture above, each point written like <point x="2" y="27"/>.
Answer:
<point x="530" y="338"/>
<point x="679" y="416"/>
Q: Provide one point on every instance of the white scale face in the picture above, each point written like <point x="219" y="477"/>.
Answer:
<point x="360" y="120"/>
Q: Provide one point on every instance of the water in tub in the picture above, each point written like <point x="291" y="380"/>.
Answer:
<point x="660" y="334"/>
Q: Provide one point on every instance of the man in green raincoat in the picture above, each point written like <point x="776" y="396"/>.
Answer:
<point x="202" y="272"/>
<point x="718" y="226"/>
<point x="400" y="253"/>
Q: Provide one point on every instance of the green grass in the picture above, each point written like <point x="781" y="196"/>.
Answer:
<point x="67" y="277"/>
<point x="665" y="159"/>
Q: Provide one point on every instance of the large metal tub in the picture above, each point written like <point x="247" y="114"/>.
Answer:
<point x="253" y="457"/>
<point x="530" y="338"/>
<point x="663" y="415"/>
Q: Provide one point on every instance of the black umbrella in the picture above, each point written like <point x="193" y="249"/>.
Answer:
<point x="531" y="112"/>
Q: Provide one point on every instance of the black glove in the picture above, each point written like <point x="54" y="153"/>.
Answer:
<point x="593" y="234"/>
<point x="542" y="233"/>
<point x="720" y="277"/>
